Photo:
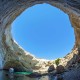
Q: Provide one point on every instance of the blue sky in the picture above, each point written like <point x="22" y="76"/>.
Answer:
<point x="44" y="31"/>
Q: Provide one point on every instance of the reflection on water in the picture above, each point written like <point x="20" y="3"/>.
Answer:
<point x="7" y="76"/>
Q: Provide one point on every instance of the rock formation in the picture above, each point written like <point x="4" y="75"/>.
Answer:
<point x="12" y="55"/>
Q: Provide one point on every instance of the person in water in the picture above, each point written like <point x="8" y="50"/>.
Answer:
<point x="11" y="75"/>
<point x="11" y="70"/>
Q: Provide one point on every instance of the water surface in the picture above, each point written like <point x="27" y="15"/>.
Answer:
<point x="7" y="76"/>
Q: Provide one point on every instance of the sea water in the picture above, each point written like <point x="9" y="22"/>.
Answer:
<point x="9" y="76"/>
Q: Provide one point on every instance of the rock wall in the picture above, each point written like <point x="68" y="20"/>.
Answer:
<point x="12" y="54"/>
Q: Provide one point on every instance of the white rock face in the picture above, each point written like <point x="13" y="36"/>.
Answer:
<point x="11" y="54"/>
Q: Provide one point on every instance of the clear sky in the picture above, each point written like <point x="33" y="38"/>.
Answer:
<point x="44" y="31"/>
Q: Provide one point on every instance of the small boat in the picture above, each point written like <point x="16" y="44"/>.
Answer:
<point x="23" y="73"/>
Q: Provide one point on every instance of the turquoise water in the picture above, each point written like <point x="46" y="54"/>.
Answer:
<point x="7" y="76"/>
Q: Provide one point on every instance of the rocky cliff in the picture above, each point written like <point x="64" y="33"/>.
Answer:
<point x="12" y="55"/>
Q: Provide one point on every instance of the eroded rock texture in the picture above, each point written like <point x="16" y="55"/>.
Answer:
<point x="13" y="55"/>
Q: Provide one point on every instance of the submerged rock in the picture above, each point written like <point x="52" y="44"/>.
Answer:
<point x="34" y="75"/>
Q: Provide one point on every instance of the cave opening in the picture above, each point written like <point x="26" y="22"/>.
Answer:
<point x="44" y="31"/>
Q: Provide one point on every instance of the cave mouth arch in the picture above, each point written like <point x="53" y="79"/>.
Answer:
<point x="63" y="22"/>
<point x="11" y="51"/>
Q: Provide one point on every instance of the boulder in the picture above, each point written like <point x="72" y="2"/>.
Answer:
<point x="51" y="68"/>
<point x="60" y="69"/>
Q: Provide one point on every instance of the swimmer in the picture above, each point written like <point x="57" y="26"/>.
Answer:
<point x="11" y="70"/>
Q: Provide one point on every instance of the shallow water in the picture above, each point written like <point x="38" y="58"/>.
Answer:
<point x="7" y="76"/>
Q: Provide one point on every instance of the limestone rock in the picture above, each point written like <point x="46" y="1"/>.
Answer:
<point x="60" y="69"/>
<point x="51" y="68"/>
<point x="12" y="55"/>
